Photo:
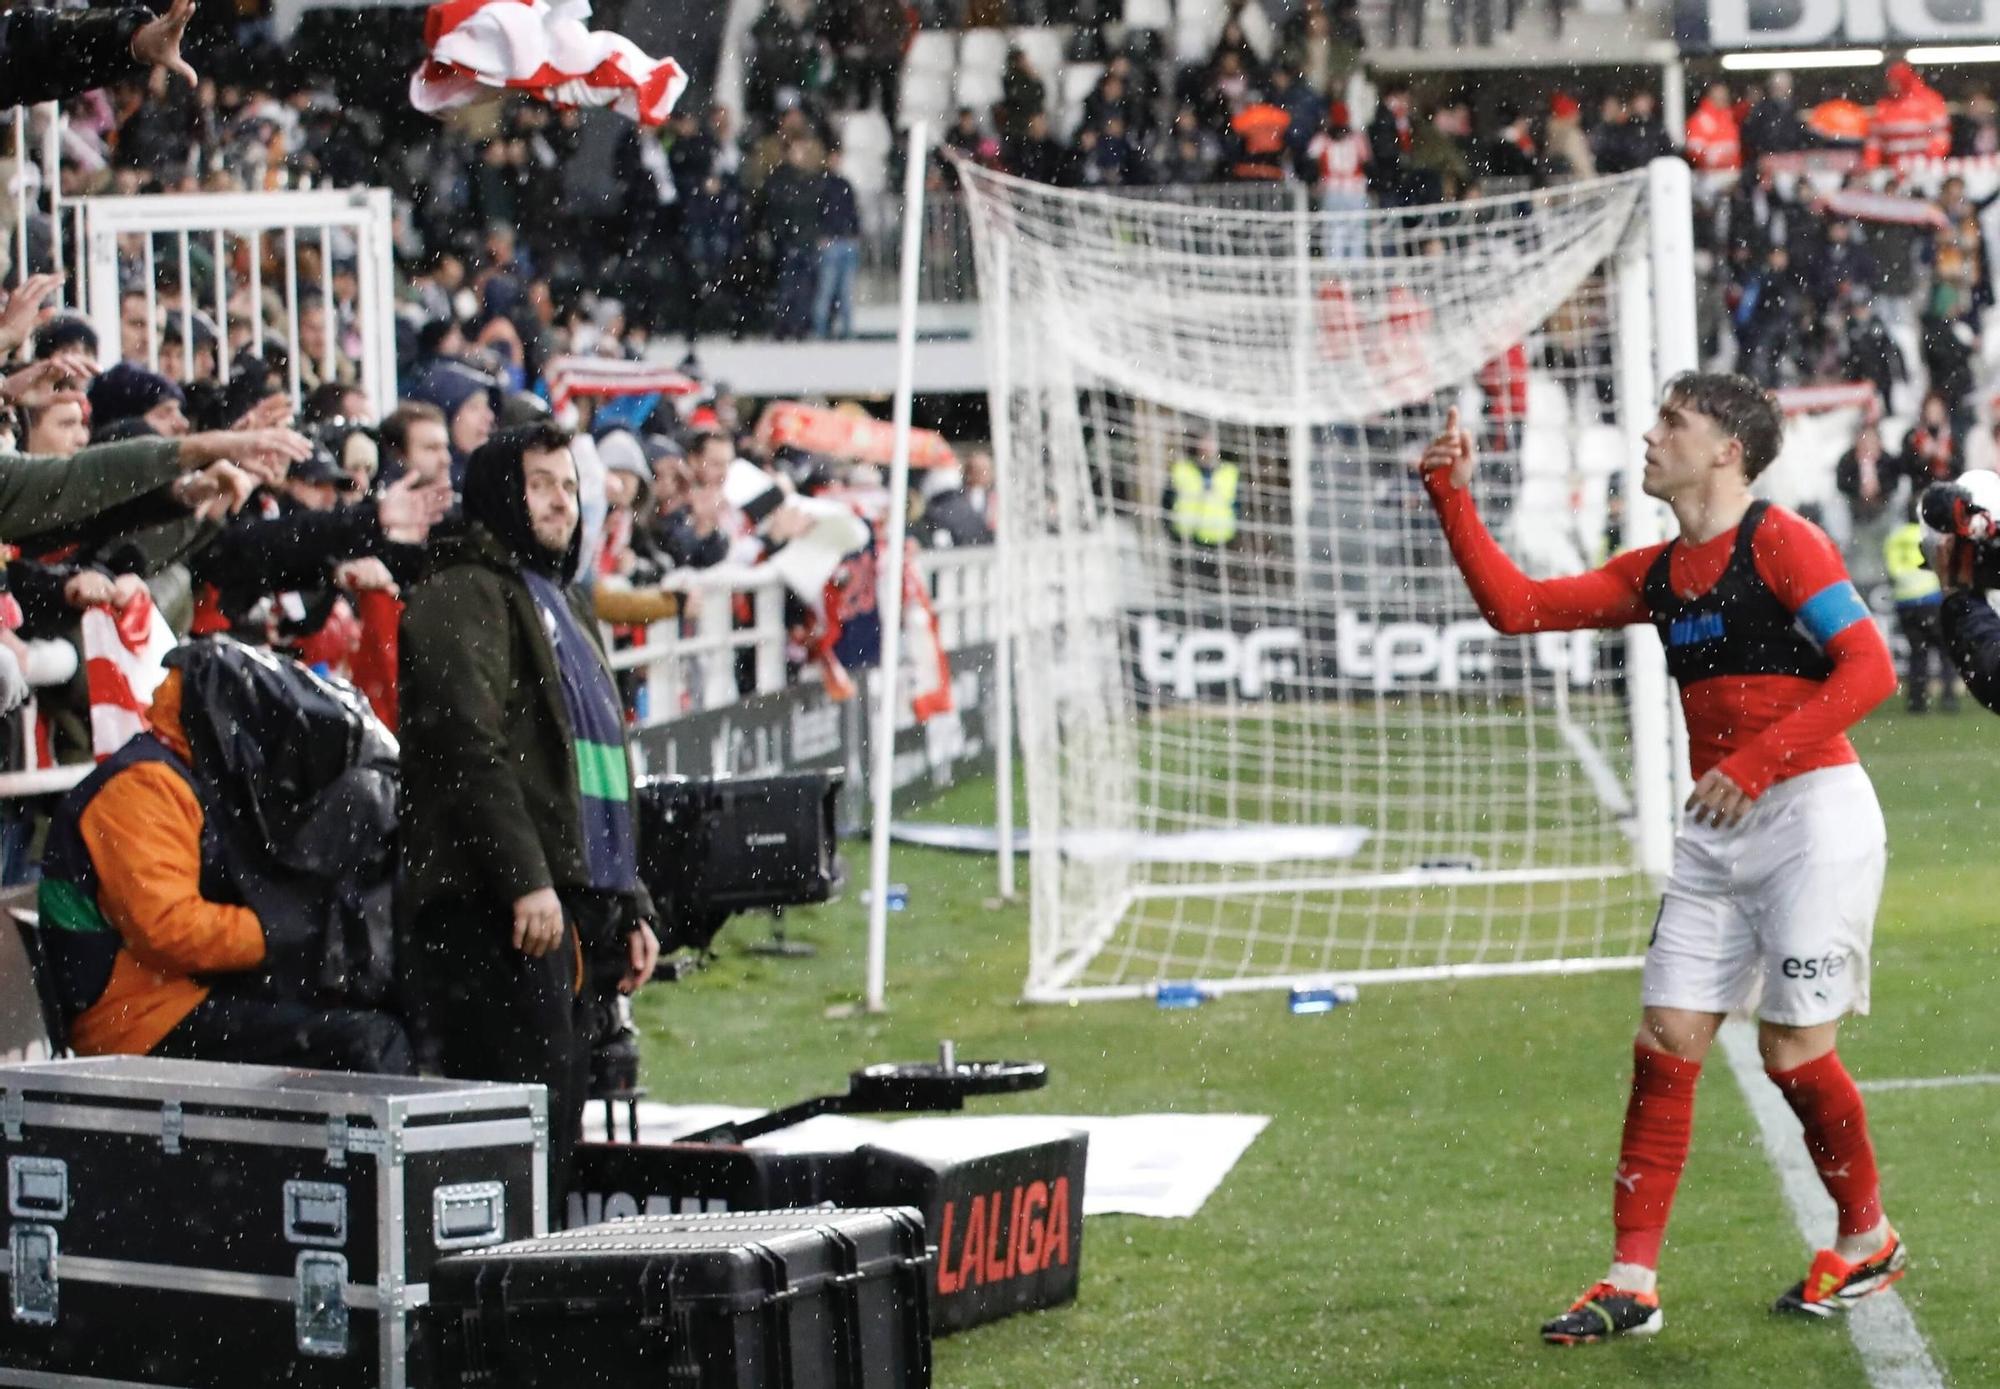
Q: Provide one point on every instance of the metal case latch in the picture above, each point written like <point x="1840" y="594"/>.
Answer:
<point x="468" y="1215"/>
<point x="172" y="1125"/>
<point x="322" y="1304"/>
<point x="13" y="1111"/>
<point x="35" y="1285"/>
<point x="316" y="1213"/>
<point x="37" y="1188"/>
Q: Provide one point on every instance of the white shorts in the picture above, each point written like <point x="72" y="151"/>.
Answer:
<point x="1778" y="913"/>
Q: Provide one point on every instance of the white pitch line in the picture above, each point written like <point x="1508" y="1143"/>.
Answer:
<point x="1893" y="1352"/>
<point x="1928" y="1082"/>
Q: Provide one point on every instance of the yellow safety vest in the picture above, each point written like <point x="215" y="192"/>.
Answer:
<point x="1205" y="506"/>
<point x="1903" y="553"/>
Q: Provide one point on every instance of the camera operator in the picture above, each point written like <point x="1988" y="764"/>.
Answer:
<point x="1972" y="636"/>
<point x="1967" y="557"/>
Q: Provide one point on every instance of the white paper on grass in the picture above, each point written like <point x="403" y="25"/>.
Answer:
<point x="1161" y="1165"/>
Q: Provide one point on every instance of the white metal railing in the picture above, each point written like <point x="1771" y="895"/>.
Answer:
<point x="700" y="662"/>
<point x="705" y="660"/>
<point x="132" y="234"/>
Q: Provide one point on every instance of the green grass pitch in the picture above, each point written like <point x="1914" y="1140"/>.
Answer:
<point x="1436" y="1177"/>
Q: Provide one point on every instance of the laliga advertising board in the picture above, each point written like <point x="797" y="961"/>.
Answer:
<point x="1703" y="26"/>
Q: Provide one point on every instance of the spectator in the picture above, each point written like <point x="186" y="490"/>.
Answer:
<point x="839" y="252"/>
<point x="1023" y="96"/>
<point x="1034" y="155"/>
<point x="1390" y="140"/>
<point x="1933" y="451"/>
<point x="1774" y="125"/>
<point x="521" y="874"/>
<point x="1614" y="146"/>
<point x="1260" y="143"/>
<point x="1911" y="121"/>
<point x="792" y="202"/>
<point x="1766" y="319"/>
<point x="465" y="395"/>
<point x="1339" y="158"/>
<point x="49" y="55"/>
<point x="1842" y="270"/>
<point x="1871" y="352"/>
<point x="1565" y="150"/>
<point x="1650" y="139"/>
<point x="415" y="439"/>
<point x="1948" y="347"/>
<point x="1867" y="477"/>
<point x="1919" y="605"/>
<point x="1714" y="144"/>
<point x="1510" y="155"/>
<point x="958" y="510"/>
<point x="697" y="531"/>
<point x="127" y="392"/>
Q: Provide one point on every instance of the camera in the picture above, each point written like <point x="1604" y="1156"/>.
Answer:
<point x="1966" y="511"/>
<point x="712" y="847"/>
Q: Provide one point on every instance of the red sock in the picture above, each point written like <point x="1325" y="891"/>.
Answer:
<point x="1823" y="1095"/>
<point x="1659" y="1120"/>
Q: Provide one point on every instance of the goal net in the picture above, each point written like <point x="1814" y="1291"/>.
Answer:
<point x="1266" y="737"/>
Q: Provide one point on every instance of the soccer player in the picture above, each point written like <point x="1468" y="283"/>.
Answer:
<point x="1778" y="863"/>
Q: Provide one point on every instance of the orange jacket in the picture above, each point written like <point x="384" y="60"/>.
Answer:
<point x="1912" y="122"/>
<point x="1260" y="131"/>
<point x="143" y="832"/>
<point x="1714" y="142"/>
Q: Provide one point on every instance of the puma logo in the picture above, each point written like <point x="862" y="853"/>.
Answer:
<point x="1828" y="1174"/>
<point x="1628" y="1180"/>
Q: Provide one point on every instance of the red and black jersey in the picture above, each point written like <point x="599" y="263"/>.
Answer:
<point x="1773" y="648"/>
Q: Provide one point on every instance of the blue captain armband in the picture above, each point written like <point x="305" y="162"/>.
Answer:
<point x="1832" y="611"/>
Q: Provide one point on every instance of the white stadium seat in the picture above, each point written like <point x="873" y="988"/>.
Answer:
<point x="1078" y="80"/>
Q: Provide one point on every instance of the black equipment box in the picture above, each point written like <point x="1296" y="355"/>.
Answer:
<point x="1007" y="1225"/>
<point x="1006" y="1222"/>
<point x="209" y="1227"/>
<point x="614" y="1181"/>
<point x="711" y="848"/>
<point x="748" y="1300"/>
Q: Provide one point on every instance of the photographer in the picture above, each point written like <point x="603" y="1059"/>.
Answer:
<point x="1971" y="634"/>
<point x="1966" y="556"/>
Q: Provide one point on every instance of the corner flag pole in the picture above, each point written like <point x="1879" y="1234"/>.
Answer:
<point x="889" y="593"/>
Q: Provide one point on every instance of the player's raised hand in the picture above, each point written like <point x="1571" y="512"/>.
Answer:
<point x="1451" y="449"/>
<point x="1718" y="801"/>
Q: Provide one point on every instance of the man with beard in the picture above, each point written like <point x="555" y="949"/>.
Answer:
<point x="520" y="844"/>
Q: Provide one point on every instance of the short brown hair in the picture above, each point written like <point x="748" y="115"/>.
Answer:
<point x="1741" y="408"/>
<point x="395" y="429"/>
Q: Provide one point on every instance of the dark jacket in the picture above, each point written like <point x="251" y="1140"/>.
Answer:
<point x="490" y="794"/>
<point x="952" y="518"/>
<point x="1972" y="638"/>
<point x="46" y="55"/>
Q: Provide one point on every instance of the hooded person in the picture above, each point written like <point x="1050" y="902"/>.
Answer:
<point x="166" y="936"/>
<point x="127" y="392"/>
<point x="519" y="840"/>
<point x="465" y="394"/>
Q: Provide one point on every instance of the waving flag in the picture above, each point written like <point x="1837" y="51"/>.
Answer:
<point x="123" y="651"/>
<point x="481" y="48"/>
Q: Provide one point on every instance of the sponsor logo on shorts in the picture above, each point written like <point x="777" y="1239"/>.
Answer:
<point x="1829" y="966"/>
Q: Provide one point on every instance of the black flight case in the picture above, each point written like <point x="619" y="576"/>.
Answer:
<point x="213" y="1227"/>
<point x="834" y="1299"/>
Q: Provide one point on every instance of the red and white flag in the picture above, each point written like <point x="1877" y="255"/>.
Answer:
<point x="480" y="48"/>
<point x="123" y="663"/>
<point x="570" y="377"/>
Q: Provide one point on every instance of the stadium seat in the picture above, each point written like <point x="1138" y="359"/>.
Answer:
<point x="982" y="63"/>
<point x="865" y="140"/>
<point x="1078" y="80"/>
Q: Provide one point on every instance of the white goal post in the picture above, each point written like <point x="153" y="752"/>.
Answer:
<point x="1265" y="737"/>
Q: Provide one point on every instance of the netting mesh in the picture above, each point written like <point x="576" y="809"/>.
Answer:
<point x="1264" y="732"/>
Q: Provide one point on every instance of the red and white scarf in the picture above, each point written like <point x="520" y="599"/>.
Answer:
<point x="480" y="48"/>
